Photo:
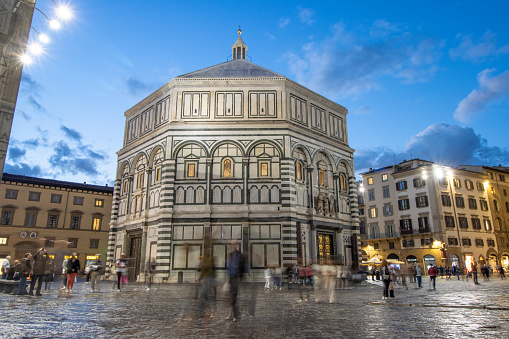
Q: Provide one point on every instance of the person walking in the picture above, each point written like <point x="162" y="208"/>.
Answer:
<point x="24" y="269"/>
<point x="49" y="274"/>
<point x="235" y="272"/>
<point x="418" y="275"/>
<point x="474" y="272"/>
<point x="64" y="273"/>
<point x="150" y="271"/>
<point x="73" y="268"/>
<point x="267" y="273"/>
<point x="386" y="278"/>
<point x="121" y="268"/>
<point x="5" y="266"/>
<point x="207" y="280"/>
<point x="38" y="271"/>
<point x="96" y="269"/>
<point x="432" y="272"/>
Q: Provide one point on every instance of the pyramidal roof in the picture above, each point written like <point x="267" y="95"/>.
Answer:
<point x="238" y="68"/>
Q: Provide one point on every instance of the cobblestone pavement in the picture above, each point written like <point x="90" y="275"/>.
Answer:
<point x="456" y="309"/>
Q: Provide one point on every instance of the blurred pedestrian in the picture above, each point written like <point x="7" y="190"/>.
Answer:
<point x="393" y="274"/>
<point x="121" y="268"/>
<point x="5" y="266"/>
<point x="235" y="271"/>
<point x="96" y="270"/>
<point x="12" y="274"/>
<point x="73" y="268"/>
<point x="38" y="271"/>
<point x="473" y="268"/>
<point x="309" y="276"/>
<point x="64" y="273"/>
<point x="411" y="272"/>
<point x="432" y="272"/>
<point x="501" y="272"/>
<point x="49" y="274"/>
<point x="207" y="281"/>
<point x="386" y="278"/>
<point x="278" y="277"/>
<point x="150" y="271"/>
<point x="418" y="275"/>
<point x="267" y="273"/>
<point x="289" y="275"/>
<point x="25" y="267"/>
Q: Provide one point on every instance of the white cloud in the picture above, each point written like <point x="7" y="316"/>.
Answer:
<point x="484" y="48"/>
<point x="306" y="15"/>
<point x="443" y="144"/>
<point x="283" y="22"/>
<point x="346" y="64"/>
<point x="490" y="89"/>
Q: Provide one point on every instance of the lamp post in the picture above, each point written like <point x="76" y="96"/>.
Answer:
<point x="439" y="173"/>
<point x="15" y="51"/>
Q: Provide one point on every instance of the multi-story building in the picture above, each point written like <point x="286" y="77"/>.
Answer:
<point x="234" y="152"/>
<point x="420" y="212"/>
<point x="498" y="190"/>
<point x="63" y="217"/>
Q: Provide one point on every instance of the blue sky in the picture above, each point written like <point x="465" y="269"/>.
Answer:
<point x="426" y="79"/>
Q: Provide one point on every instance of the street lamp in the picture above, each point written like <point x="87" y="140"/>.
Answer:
<point x="34" y="49"/>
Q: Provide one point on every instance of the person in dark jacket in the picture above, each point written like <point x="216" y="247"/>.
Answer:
<point x="38" y="271"/>
<point x="49" y="274"/>
<point x="73" y="268"/>
<point x="24" y="269"/>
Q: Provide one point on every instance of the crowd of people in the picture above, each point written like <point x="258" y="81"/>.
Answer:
<point x="324" y="278"/>
<point x="40" y="269"/>
<point x="390" y="274"/>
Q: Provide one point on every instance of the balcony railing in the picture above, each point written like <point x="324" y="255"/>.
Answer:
<point x="416" y="231"/>
<point x="383" y="235"/>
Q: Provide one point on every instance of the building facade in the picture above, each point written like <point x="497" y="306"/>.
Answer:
<point x="234" y="152"/>
<point x="420" y="212"/>
<point x="63" y="217"/>
<point x="498" y="190"/>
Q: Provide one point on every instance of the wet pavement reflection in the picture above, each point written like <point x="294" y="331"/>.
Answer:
<point x="456" y="309"/>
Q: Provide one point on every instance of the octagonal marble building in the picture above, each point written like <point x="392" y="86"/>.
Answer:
<point x="234" y="152"/>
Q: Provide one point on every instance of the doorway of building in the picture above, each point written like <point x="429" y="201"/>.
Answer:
<point x="134" y="256"/>
<point x="23" y="248"/>
<point x="325" y="247"/>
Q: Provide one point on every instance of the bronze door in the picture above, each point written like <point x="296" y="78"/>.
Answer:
<point x="325" y="247"/>
<point x="134" y="258"/>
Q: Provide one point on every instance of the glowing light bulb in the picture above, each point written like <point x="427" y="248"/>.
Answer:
<point x="26" y="59"/>
<point x="54" y="24"/>
<point x="35" y="49"/>
<point x="64" y="12"/>
<point x="43" y="38"/>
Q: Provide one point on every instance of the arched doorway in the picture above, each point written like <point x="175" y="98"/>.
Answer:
<point x="429" y="260"/>
<point x="455" y="260"/>
<point x="504" y="261"/>
<point x="23" y="248"/>
<point x="411" y="259"/>
<point x="393" y="256"/>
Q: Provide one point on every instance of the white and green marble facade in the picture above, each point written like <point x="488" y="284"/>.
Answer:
<point x="264" y="124"/>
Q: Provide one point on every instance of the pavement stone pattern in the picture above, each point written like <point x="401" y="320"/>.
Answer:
<point x="456" y="309"/>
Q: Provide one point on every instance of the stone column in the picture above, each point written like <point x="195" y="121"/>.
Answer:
<point x="245" y="175"/>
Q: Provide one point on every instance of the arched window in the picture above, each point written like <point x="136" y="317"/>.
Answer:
<point x="321" y="178"/>
<point x="498" y="224"/>
<point x="298" y="171"/>
<point x="227" y="168"/>
<point x="342" y="182"/>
